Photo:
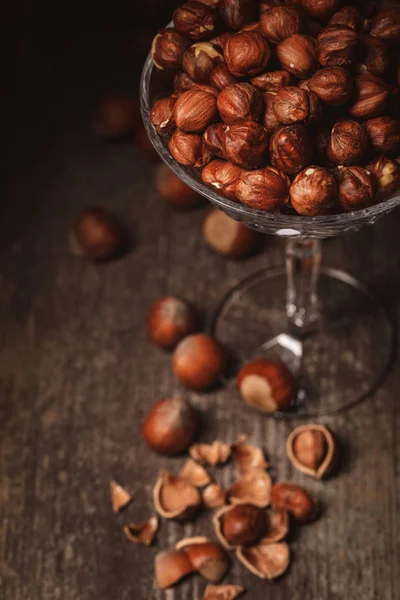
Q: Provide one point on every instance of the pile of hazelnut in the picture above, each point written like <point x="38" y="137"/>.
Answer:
<point x="285" y="105"/>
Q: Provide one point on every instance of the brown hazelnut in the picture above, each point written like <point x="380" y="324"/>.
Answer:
<point x="272" y="81"/>
<point x="313" y="191"/>
<point x="303" y="507"/>
<point x="170" y="426"/>
<point x="222" y="176"/>
<point x="208" y="559"/>
<point x="198" y="361"/>
<point x="175" y="498"/>
<point x="246" y="54"/>
<point x="236" y="13"/>
<point x="116" y="116"/>
<point x="213" y="139"/>
<point x="294" y="105"/>
<point x="384" y="135"/>
<point x="188" y="150"/>
<point x="194" y="110"/>
<point x="386" y="25"/>
<point x="348" y="143"/>
<point x="372" y="94"/>
<point x="266" y="560"/>
<point x="320" y="9"/>
<point x="223" y="592"/>
<point x="208" y="89"/>
<point x="168" y="48"/>
<point x="347" y="15"/>
<point x="171" y="566"/>
<point x="333" y="85"/>
<point x="386" y="174"/>
<point x="172" y="189"/>
<point x="312" y="27"/>
<point x="290" y="149"/>
<point x="142" y="533"/>
<point x="98" y="235"/>
<point x="264" y="189"/>
<point x="220" y="40"/>
<point x="170" y="320"/>
<point x="266" y="385"/>
<point x="241" y="524"/>
<point x="376" y="56"/>
<point x="278" y="527"/>
<point x="312" y="450"/>
<point x="337" y="46"/>
<point x="270" y="120"/>
<point x="182" y="83"/>
<point x="246" y="144"/>
<point x="199" y="60"/>
<point x="240" y="102"/>
<point x="161" y="116"/>
<point x="227" y="236"/>
<point x="196" y="20"/>
<point x="356" y="188"/>
<point x="221" y="77"/>
<point x="297" y="55"/>
<point x="280" y="22"/>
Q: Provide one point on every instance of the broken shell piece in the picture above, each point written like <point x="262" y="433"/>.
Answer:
<point x="222" y="592"/>
<point x="120" y="497"/>
<point x="278" y="527"/>
<point x="214" y="496"/>
<point x="312" y="450"/>
<point x="199" y="539"/>
<point x="195" y="473"/>
<point x="254" y="487"/>
<point x="208" y="559"/>
<point x="170" y="567"/>
<point x="247" y="457"/>
<point x="142" y="533"/>
<point x="175" y="498"/>
<point x="217" y="453"/>
<point x="267" y="562"/>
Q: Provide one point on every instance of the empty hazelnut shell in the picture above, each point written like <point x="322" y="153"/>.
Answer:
<point x="142" y="533"/>
<point x="266" y="561"/>
<point x="253" y="487"/>
<point x="171" y="566"/>
<point x="222" y="592"/>
<point x="312" y="450"/>
<point x="195" y="473"/>
<point x="213" y="454"/>
<point x="247" y="457"/>
<point x="208" y="559"/>
<point x="278" y="527"/>
<point x="175" y="498"/>
<point x="120" y="497"/>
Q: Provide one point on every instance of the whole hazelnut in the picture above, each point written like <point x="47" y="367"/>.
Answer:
<point x="313" y="191"/>
<point x="198" y="361"/>
<point x="297" y="55"/>
<point x="270" y="120"/>
<point x="182" y="83"/>
<point x="294" y="105"/>
<point x="246" y="144"/>
<point x="333" y="85"/>
<point x="266" y="385"/>
<point x="246" y="54"/>
<point x="227" y="236"/>
<point x="167" y="48"/>
<point x="97" y="234"/>
<point x="310" y="448"/>
<point x="303" y="507"/>
<point x="244" y="524"/>
<point x="199" y="60"/>
<point x="376" y="56"/>
<point x="213" y="139"/>
<point x="320" y="9"/>
<point x="221" y="77"/>
<point x="290" y="149"/>
<point x="174" y="191"/>
<point x="384" y="135"/>
<point x="161" y="116"/>
<point x="194" y="110"/>
<point x="337" y="46"/>
<point x="196" y="20"/>
<point x="348" y="143"/>
<point x="236" y="13"/>
<point x="386" y="173"/>
<point x="356" y="188"/>
<point x="222" y="176"/>
<point x="188" y="150"/>
<point x="272" y="81"/>
<point x="280" y="22"/>
<point x="372" y="94"/>
<point x="347" y="15"/>
<point x="170" y="426"/>
<point x="116" y="116"/>
<point x="264" y="189"/>
<point x="240" y="102"/>
<point x="386" y="25"/>
<point x="170" y="320"/>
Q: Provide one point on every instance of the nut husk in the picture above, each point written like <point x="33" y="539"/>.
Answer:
<point x="142" y="533"/>
<point x="254" y="487"/>
<point x="266" y="561"/>
<point x="312" y="450"/>
<point x="175" y="498"/>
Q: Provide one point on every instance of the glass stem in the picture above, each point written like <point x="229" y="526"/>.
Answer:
<point x="303" y="260"/>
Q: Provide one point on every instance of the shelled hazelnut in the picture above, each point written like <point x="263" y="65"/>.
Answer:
<point x="98" y="235"/>
<point x="223" y="176"/>
<point x="333" y="85"/>
<point x="220" y="40"/>
<point x="240" y="102"/>
<point x="213" y="139"/>
<point x="303" y="507"/>
<point x="237" y="13"/>
<point x="313" y="191"/>
<point x="297" y="55"/>
<point x="348" y="143"/>
<point x="188" y="150"/>
<point x="171" y="319"/>
<point x="272" y="81"/>
<point x="116" y="116"/>
<point x="170" y="426"/>
<point x="347" y="15"/>
<point x="355" y="188"/>
<point x="384" y="135"/>
<point x="270" y="120"/>
<point x="280" y="22"/>
<point x="386" y="25"/>
<point x="194" y="110"/>
<point x="220" y="77"/>
<point x="247" y="54"/>
<point x="372" y="94"/>
<point x="161" y="116"/>
<point x="199" y="60"/>
<point x="198" y="361"/>
<point x="295" y="105"/>
<point x="386" y="173"/>
<point x="174" y="191"/>
<point x="246" y="144"/>
<point x="227" y="236"/>
<point x="337" y="46"/>
<point x="375" y="56"/>
<point x="266" y="385"/>
<point x="264" y="189"/>
<point x="182" y="83"/>
<point x="320" y="9"/>
<point x="290" y="149"/>
<point x="168" y="48"/>
<point x="195" y="20"/>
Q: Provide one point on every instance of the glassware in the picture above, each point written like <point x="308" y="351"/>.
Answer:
<point x="332" y="353"/>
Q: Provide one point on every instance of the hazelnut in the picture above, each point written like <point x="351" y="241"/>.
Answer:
<point x="175" y="497"/>
<point x="194" y="110"/>
<point x="227" y="236"/>
<point x="272" y="81"/>
<point x="253" y="487"/>
<point x="221" y="77"/>
<point x="171" y="566"/>
<point x="266" y="561"/>
<point x="280" y="22"/>
<point x="337" y="46"/>
<point x="236" y="13"/>
<point x="313" y="191"/>
<point x="116" y="116"/>
<point x="348" y="143"/>
<point x="386" y="173"/>
<point x="168" y="48"/>
<point x="214" y="496"/>
<point x="198" y="361"/>
<point x="297" y="55"/>
<point x="199" y="60"/>
<point x="386" y="25"/>
<point x="290" y="149"/>
<point x="208" y="559"/>
<point x="356" y="188"/>
<point x="142" y="533"/>
<point x="303" y="507"/>
<point x="241" y="524"/>
<point x="332" y="85"/>
<point x="246" y="144"/>
<point x="372" y="94"/>
<point x="161" y="116"/>
<point x="278" y="527"/>
<point x="120" y="497"/>
<point x="220" y="40"/>
<point x="270" y="120"/>
<point x="347" y="15"/>
<point x="376" y="56"/>
<point x="196" y="20"/>
<point x="209" y="89"/>
<point x="187" y="149"/>
<point x="223" y="176"/>
<point x="174" y="191"/>
<point x="170" y="426"/>
<point x="254" y="26"/>
<point x="264" y="189"/>
<point x="266" y="385"/>
<point x="240" y="102"/>
<point x="223" y="592"/>
<point x="213" y="139"/>
<point x="384" y="135"/>
<point x="170" y="320"/>
<point x="182" y="83"/>
<point x="294" y="105"/>
<point x="246" y="54"/>
<point x="320" y="9"/>
<point x="312" y="26"/>
<point x="98" y="235"/>
<point x="312" y="450"/>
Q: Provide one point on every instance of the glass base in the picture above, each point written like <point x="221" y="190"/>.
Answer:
<point x="340" y="364"/>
